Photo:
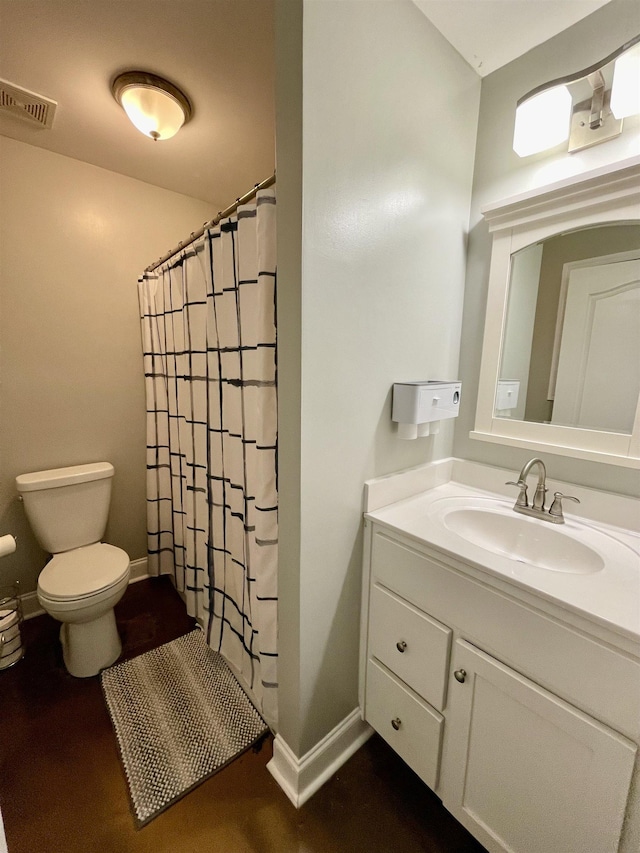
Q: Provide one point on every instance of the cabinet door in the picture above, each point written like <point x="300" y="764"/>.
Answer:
<point x="524" y="771"/>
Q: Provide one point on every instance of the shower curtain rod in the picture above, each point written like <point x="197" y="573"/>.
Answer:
<point x="222" y="214"/>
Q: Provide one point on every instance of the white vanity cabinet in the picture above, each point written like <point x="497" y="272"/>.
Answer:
<point x="525" y="726"/>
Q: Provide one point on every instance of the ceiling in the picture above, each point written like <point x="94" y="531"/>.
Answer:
<point x="221" y="53"/>
<point x="491" y="33"/>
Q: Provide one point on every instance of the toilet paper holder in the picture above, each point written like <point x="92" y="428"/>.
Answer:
<point x="418" y="407"/>
<point x="11" y="648"/>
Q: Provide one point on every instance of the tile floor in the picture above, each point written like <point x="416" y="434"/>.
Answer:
<point x="62" y="788"/>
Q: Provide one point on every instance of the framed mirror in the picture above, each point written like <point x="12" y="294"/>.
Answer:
<point x="560" y="367"/>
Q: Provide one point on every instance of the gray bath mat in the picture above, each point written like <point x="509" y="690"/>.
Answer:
<point x="179" y="715"/>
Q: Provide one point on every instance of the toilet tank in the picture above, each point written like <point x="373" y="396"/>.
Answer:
<point x="67" y="507"/>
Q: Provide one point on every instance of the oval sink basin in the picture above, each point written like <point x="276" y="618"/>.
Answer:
<point x="522" y="539"/>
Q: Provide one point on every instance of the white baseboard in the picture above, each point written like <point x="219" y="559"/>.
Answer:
<point x="300" y="778"/>
<point x="30" y="608"/>
<point x="31" y="605"/>
<point x="139" y="570"/>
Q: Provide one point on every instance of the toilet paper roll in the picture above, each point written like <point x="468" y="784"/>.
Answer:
<point x="7" y="545"/>
<point x="407" y="431"/>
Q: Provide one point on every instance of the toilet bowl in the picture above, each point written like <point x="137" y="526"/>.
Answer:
<point x="80" y="588"/>
<point x="85" y="578"/>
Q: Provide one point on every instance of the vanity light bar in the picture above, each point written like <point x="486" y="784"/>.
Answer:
<point x="542" y="121"/>
<point x="625" y="91"/>
<point x="546" y="116"/>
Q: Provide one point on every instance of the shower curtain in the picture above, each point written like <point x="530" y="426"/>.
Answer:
<point x="209" y="341"/>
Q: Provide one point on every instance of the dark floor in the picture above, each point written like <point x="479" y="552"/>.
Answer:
<point x="62" y="788"/>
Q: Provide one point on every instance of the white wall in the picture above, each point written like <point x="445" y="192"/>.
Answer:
<point x="500" y="173"/>
<point x="73" y="240"/>
<point x="518" y="331"/>
<point x="389" y="117"/>
<point x="288" y="108"/>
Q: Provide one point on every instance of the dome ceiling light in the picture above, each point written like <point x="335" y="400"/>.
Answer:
<point x="155" y="106"/>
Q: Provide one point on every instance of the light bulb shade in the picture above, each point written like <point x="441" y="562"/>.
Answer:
<point x="155" y="107"/>
<point x="625" y="91"/>
<point x="542" y="121"/>
<point x="155" y="113"/>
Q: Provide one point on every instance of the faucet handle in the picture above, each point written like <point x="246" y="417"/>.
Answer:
<point x="555" y="509"/>
<point x="522" y="495"/>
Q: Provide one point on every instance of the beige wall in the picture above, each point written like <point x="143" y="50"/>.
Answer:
<point x="389" y="113"/>
<point x="498" y="174"/>
<point x="73" y="240"/>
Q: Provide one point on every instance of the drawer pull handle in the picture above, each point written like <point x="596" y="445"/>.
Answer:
<point x="396" y="723"/>
<point x="460" y="675"/>
<point x="401" y="646"/>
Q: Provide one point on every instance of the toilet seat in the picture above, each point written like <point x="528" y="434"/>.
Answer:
<point x="83" y="572"/>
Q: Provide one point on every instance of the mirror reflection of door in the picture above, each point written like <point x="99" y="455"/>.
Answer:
<point x="598" y="375"/>
<point x="575" y="292"/>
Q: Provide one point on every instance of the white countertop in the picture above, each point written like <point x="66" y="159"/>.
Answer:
<point x="609" y="597"/>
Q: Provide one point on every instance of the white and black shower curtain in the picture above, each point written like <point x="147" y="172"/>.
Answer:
<point x="209" y="339"/>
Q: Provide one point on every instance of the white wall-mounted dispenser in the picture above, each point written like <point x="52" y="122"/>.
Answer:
<point x="507" y="392"/>
<point x="418" y="407"/>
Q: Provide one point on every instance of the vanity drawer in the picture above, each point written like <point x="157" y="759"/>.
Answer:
<point x="411" y="644"/>
<point x="418" y="736"/>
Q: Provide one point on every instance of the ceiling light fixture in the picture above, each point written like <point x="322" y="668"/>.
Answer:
<point x="585" y="108"/>
<point x="155" y="106"/>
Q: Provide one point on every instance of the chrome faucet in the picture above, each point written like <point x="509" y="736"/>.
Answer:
<point x="537" y="509"/>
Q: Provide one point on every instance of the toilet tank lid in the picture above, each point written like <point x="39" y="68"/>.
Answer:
<point x="57" y="477"/>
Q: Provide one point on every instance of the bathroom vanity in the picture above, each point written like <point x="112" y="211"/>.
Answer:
<point x="504" y="668"/>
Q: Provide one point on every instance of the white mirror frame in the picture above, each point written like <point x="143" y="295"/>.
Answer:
<point x="606" y="195"/>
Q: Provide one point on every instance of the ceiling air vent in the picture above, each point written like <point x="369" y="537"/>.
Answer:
<point x="26" y="105"/>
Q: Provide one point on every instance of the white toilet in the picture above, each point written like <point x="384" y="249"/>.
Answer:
<point x="67" y="509"/>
